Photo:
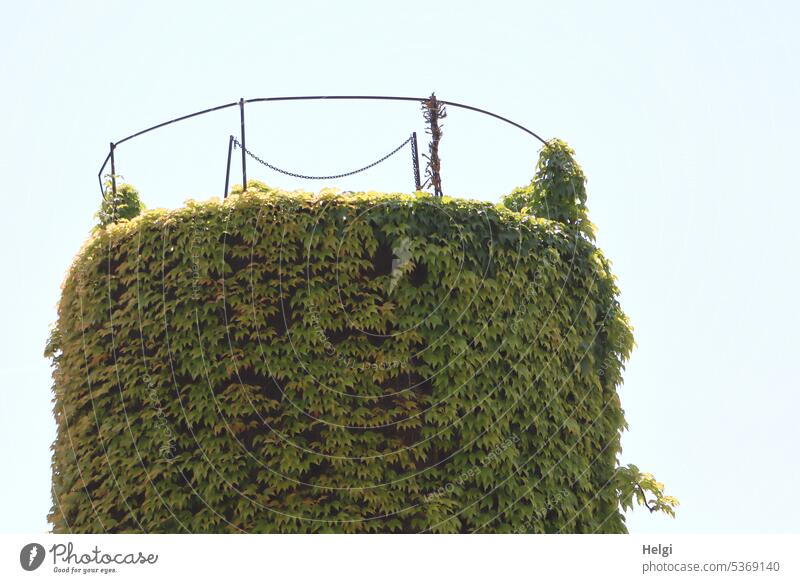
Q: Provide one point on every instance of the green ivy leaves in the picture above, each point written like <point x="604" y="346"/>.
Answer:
<point x="633" y="485"/>
<point x="367" y="362"/>
<point x="557" y="191"/>
<point x="122" y="205"/>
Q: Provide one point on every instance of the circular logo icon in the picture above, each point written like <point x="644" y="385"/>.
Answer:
<point x="31" y="556"/>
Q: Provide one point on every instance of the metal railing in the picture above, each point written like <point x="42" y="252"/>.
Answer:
<point x="241" y="144"/>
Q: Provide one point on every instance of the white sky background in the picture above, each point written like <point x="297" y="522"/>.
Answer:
<point x="684" y="118"/>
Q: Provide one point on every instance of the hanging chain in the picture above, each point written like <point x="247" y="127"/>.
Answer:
<point x="237" y="144"/>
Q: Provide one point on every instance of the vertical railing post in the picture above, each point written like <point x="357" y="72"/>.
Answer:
<point x="244" y="154"/>
<point x="415" y="161"/>
<point x="113" y="172"/>
<point x="228" y="168"/>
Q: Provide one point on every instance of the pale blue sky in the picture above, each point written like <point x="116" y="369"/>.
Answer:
<point x="684" y="118"/>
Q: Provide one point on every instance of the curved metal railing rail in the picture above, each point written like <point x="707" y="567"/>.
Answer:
<point x="241" y="103"/>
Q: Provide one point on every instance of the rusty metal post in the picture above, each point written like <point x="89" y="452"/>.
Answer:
<point x="113" y="171"/>
<point x="433" y="111"/>
<point x="415" y="161"/>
